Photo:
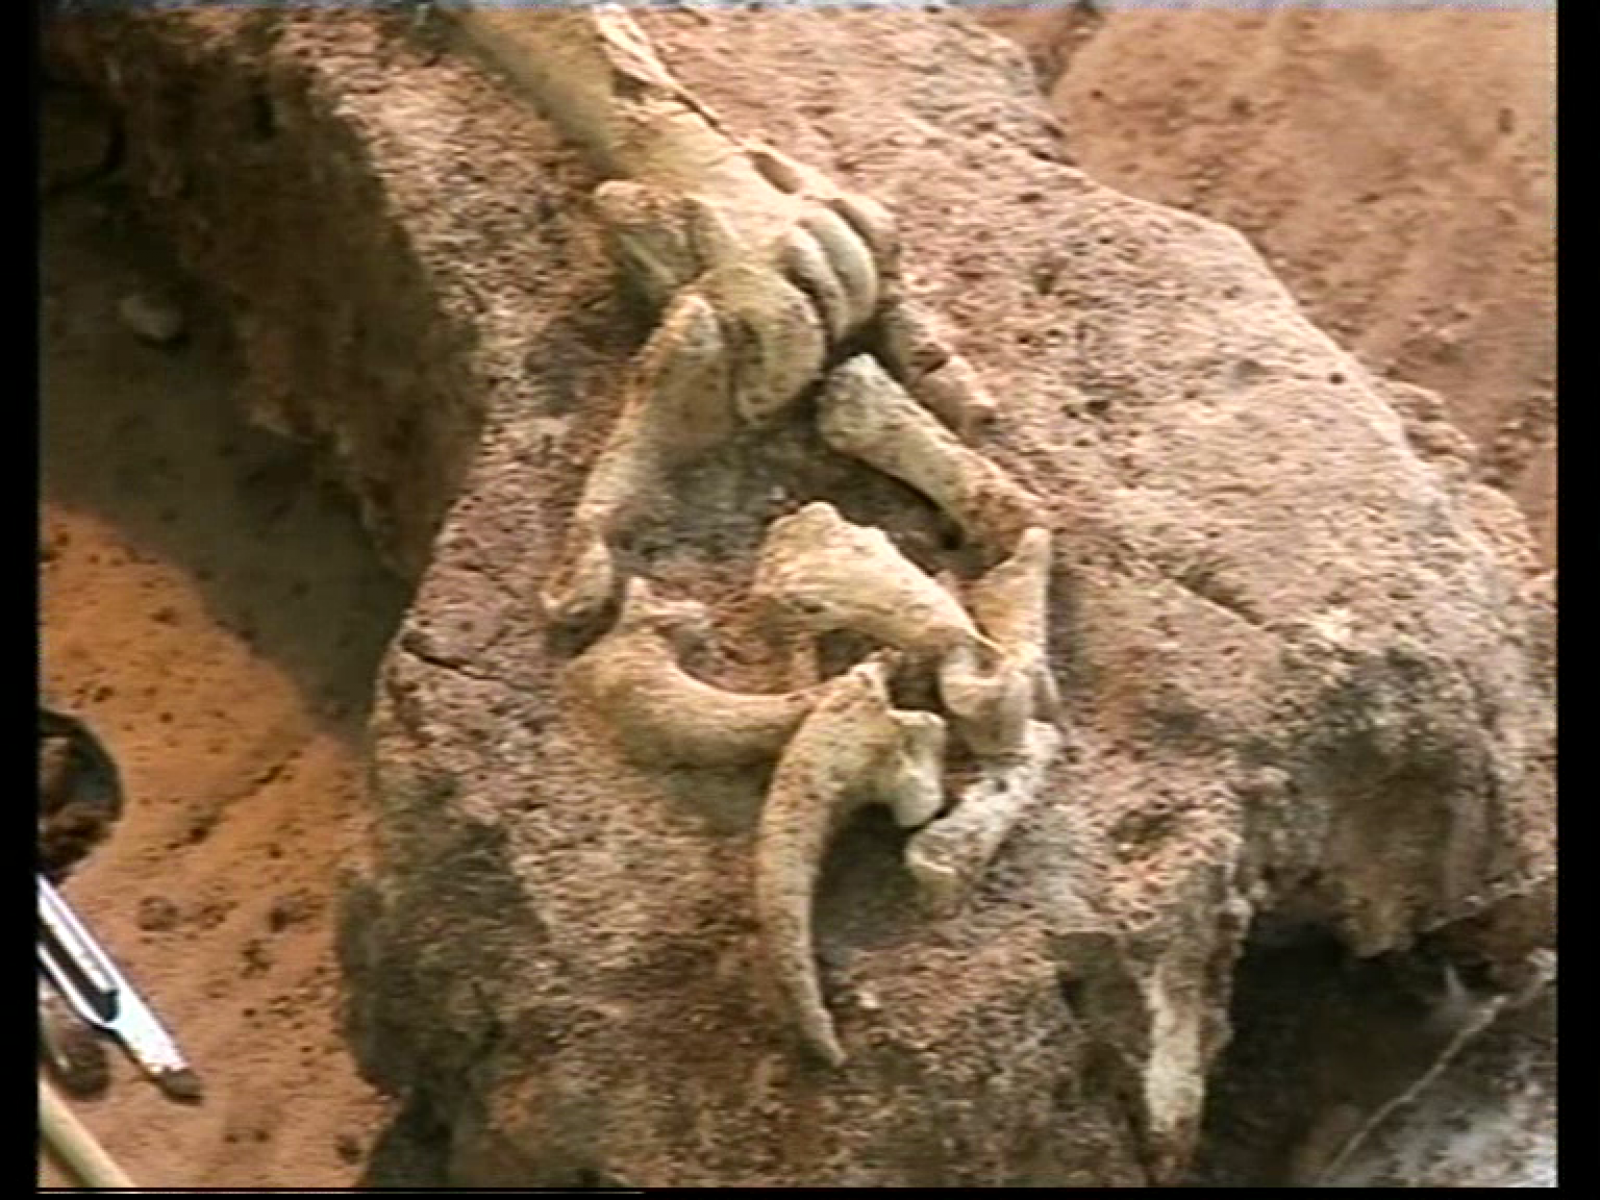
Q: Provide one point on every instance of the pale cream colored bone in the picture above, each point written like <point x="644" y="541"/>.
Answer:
<point x="819" y="573"/>
<point x="947" y="857"/>
<point x="662" y="714"/>
<point x="852" y="749"/>
<point x="917" y="346"/>
<point x="867" y="415"/>
<point x="678" y="406"/>
<point x="663" y="240"/>
<point x="1011" y="605"/>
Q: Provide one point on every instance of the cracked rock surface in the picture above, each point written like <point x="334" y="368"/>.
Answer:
<point x="1304" y="668"/>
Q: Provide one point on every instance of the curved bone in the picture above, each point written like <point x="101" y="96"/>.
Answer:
<point x="678" y="406"/>
<point x="949" y="856"/>
<point x="806" y="264"/>
<point x="819" y="573"/>
<point x="775" y="339"/>
<point x="663" y="713"/>
<point x="867" y="415"/>
<point x="852" y="261"/>
<point x="852" y="749"/>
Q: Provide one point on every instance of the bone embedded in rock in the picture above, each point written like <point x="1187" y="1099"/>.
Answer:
<point x="990" y="700"/>
<point x="821" y="573"/>
<point x="918" y="348"/>
<point x="776" y="342"/>
<point x="947" y="857"/>
<point x="1011" y="605"/>
<point x="662" y="714"/>
<point x="678" y="406"/>
<point x="912" y="780"/>
<point x="867" y="415"/>
<point x="852" y="749"/>
<point x="650" y="232"/>
<point x="955" y="393"/>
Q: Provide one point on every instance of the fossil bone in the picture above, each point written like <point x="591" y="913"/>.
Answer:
<point x="869" y="416"/>
<point x="914" y="341"/>
<point x="677" y="406"/>
<point x="820" y="573"/>
<point x="947" y="857"/>
<point x="852" y="749"/>
<point x="664" y="714"/>
<point x="1011" y="604"/>
<point x="823" y="573"/>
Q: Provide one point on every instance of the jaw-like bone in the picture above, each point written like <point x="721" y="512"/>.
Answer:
<point x="662" y="713"/>
<point x="819" y="574"/>
<point x="852" y="749"/>
<point x="866" y="414"/>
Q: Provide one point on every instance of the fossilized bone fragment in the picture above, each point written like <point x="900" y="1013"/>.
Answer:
<point x="852" y="749"/>
<point x="1011" y="604"/>
<point x="822" y="573"/>
<point x="678" y="406"/>
<point x="662" y="714"/>
<point x="866" y="414"/>
<point x="916" y="344"/>
<point x="949" y="856"/>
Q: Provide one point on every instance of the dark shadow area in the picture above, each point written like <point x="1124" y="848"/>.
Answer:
<point x="147" y="439"/>
<point x="1322" y="1042"/>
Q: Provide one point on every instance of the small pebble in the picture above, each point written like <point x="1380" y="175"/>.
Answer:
<point x="157" y="914"/>
<point x="151" y="319"/>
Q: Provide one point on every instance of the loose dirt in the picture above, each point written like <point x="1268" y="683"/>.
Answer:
<point x="216" y="618"/>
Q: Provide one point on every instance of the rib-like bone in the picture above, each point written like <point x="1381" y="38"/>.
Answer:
<point x="869" y="416"/>
<point x="852" y="749"/>
<point x="948" y="856"/>
<point x="662" y="713"/>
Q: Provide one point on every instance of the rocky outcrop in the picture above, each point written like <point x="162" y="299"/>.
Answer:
<point x="1298" y="665"/>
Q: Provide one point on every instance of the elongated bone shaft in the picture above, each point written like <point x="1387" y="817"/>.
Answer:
<point x="867" y="415"/>
<point x="947" y="857"/>
<point x="665" y="715"/>
<point x="851" y="750"/>
<point x="823" y="573"/>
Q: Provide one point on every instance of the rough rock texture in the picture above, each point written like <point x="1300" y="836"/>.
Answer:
<point x="1305" y="669"/>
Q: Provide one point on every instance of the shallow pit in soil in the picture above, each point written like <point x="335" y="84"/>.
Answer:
<point x="216" y="616"/>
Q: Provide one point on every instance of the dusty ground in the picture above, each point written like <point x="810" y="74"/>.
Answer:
<point x="1396" y="168"/>
<point x="216" y="616"/>
<point x="216" y="620"/>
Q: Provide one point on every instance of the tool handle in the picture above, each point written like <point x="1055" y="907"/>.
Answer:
<point x="74" y="1146"/>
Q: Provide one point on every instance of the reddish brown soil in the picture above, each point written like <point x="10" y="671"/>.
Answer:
<point x="217" y="617"/>
<point x="1396" y="168"/>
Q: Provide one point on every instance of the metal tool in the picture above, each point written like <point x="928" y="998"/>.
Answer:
<point x="99" y="993"/>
